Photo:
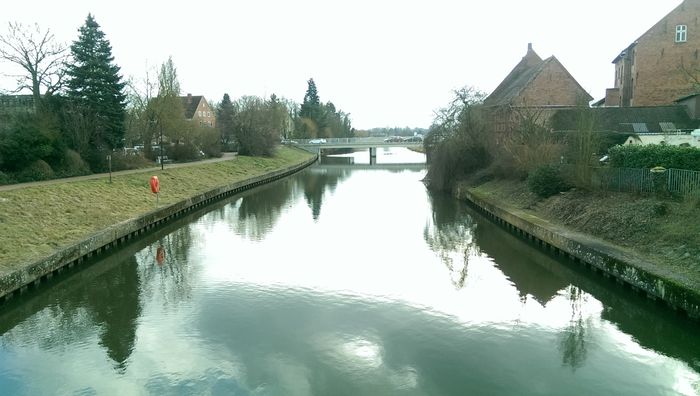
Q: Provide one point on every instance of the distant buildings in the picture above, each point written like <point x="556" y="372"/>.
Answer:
<point x="661" y="66"/>
<point x="534" y="85"/>
<point x="198" y="110"/>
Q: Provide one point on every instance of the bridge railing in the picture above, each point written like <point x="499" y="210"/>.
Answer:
<point x="349" y="141"/>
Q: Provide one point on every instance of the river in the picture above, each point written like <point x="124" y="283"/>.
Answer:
<point x="344" y="279"/>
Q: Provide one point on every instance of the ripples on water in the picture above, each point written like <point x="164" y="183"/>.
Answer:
<point x="341" y="281"/>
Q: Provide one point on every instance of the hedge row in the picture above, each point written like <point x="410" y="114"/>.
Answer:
<point x="650" y="156"/>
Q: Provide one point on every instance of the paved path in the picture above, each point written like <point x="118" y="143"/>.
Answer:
<point x="224" y="157"/>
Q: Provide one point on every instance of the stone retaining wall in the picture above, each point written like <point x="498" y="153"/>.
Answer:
<point x="612" y="261"/>
<point x="34" y="272"/>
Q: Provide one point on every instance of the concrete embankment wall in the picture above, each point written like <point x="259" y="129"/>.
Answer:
<point x="612" y="261"/>
<point x="34" y="272"/>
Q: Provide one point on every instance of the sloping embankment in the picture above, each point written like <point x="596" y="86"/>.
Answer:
<point x="622" y="264"/>
<point x="18" y="278"/>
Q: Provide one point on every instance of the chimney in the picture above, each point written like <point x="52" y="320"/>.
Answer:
<point x="529" y="47"/>
<point x="189" y="98"/>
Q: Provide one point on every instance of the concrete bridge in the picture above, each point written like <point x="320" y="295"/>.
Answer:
<point x="371" y="143"/>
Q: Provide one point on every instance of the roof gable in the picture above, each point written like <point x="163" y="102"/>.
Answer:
<point x="553" y="65"/>
<point x="190" y="104"/>
<point x="516" y="80"/>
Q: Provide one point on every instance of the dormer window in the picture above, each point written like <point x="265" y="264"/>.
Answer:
<point x="681" y="33"/>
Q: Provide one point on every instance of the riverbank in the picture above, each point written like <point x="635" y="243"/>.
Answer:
<point x="657" y="237"/>
<point x="59" y="221"/>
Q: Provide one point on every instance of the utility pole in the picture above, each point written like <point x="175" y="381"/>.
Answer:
<point x="161" y="145"/>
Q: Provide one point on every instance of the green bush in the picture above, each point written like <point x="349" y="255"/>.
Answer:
<point x="546" y="181"/>
<point x="6" y="179"/>
<point x="652" y="155"/>
<point x="209" y="140"/>
<point x="123" y="161"/>
<point x="455" y="159"/>
<point x="72" y="164"/>
<point x="183" y="152"/>
<point x="37" y="171"/>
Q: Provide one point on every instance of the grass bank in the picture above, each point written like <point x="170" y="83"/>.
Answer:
<point x="36" y="221"/>
<point x="662" y="231"/>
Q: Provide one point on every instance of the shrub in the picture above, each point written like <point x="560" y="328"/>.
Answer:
<point x="38" y="170"/>
<point x="209" y="140"/>
<point x="546" y="181"/>
<point x="183" y="152"/>
<point x="72" y="164"/>
<point x="6" y="179"/>
<point x="652" y="155"/>
<point x="453" y="159"/>
<point x="123" y="161"/>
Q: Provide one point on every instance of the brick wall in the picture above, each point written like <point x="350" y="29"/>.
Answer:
<point x="553" y="86"/>
<point x="612" y="97"/>
<point x="657" y="78"/>
<point x="204" y="115"/>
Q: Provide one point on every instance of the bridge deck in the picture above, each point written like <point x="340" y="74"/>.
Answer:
<point x="351" y="143"/>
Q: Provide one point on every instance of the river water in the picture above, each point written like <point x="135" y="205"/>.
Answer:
<point x="342" y="280"/>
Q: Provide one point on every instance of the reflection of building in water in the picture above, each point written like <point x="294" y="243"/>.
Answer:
<point x="524" y="266"/>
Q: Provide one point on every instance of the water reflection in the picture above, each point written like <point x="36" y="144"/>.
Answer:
<point x="317" y="183"/>
<point x="257" y="214"/>
<point x="451" y="235"/>
<point x="573" y="344"/>
<point x="404" y="292"/>
<point x="102" y="302"/>
<point x="528" y="269"/>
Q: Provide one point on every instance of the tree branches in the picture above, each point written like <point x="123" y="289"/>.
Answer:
<point x="38" y="54"/>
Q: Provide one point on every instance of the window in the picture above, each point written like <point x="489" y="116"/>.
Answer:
<point x="681" y="33"/>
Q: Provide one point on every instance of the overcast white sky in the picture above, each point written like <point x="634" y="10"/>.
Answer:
<point x="388" y="63"/>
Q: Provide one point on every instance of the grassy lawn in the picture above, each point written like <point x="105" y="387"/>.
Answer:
<point x="35" y="221"/>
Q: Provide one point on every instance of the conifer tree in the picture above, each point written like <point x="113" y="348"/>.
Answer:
<point x="96" y="88"/>
<point x="311" y="106"/>
<point x="225" y="121"/>
<point x="311" y="121"/>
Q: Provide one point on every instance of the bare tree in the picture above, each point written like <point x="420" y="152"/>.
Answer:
<point x="38" y="53"/>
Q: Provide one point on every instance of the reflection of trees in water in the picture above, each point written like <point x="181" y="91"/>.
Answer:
<point x="316" y="182"/>
<point x="172" y="279"/>
<point x="105" y="296"/>
<point x="451" y="235"/>
<point x="115" y="303"/>
<point x="257" y="213"/>
<point x="573" y="344"/>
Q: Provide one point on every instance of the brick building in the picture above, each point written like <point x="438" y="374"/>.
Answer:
<point x="534" y="85"/>
<point x="660" y="66"/>
<point x="198" y="110"/>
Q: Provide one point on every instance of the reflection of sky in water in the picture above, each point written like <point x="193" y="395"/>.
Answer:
<point x="385" y="155"/>
<point x="358" y="287"/>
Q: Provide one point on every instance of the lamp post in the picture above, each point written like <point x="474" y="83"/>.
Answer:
<point x="161" y="146"/>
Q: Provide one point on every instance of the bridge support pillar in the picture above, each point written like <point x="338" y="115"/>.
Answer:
<point x="372" y="155"/>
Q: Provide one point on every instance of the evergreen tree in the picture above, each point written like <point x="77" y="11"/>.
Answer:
<point x="95" y="86"/>
<point x="225" y="121"/>
<point x="311" y="114"/>
<point x="312" y="104"/>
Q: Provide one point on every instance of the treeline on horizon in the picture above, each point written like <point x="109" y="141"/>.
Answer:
<point x="83" y="114"/>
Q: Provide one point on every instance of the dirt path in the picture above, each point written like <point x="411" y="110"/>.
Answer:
<point x="224" y="157"/>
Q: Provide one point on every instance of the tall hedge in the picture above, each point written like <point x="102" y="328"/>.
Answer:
<point x="652" y="155"/>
